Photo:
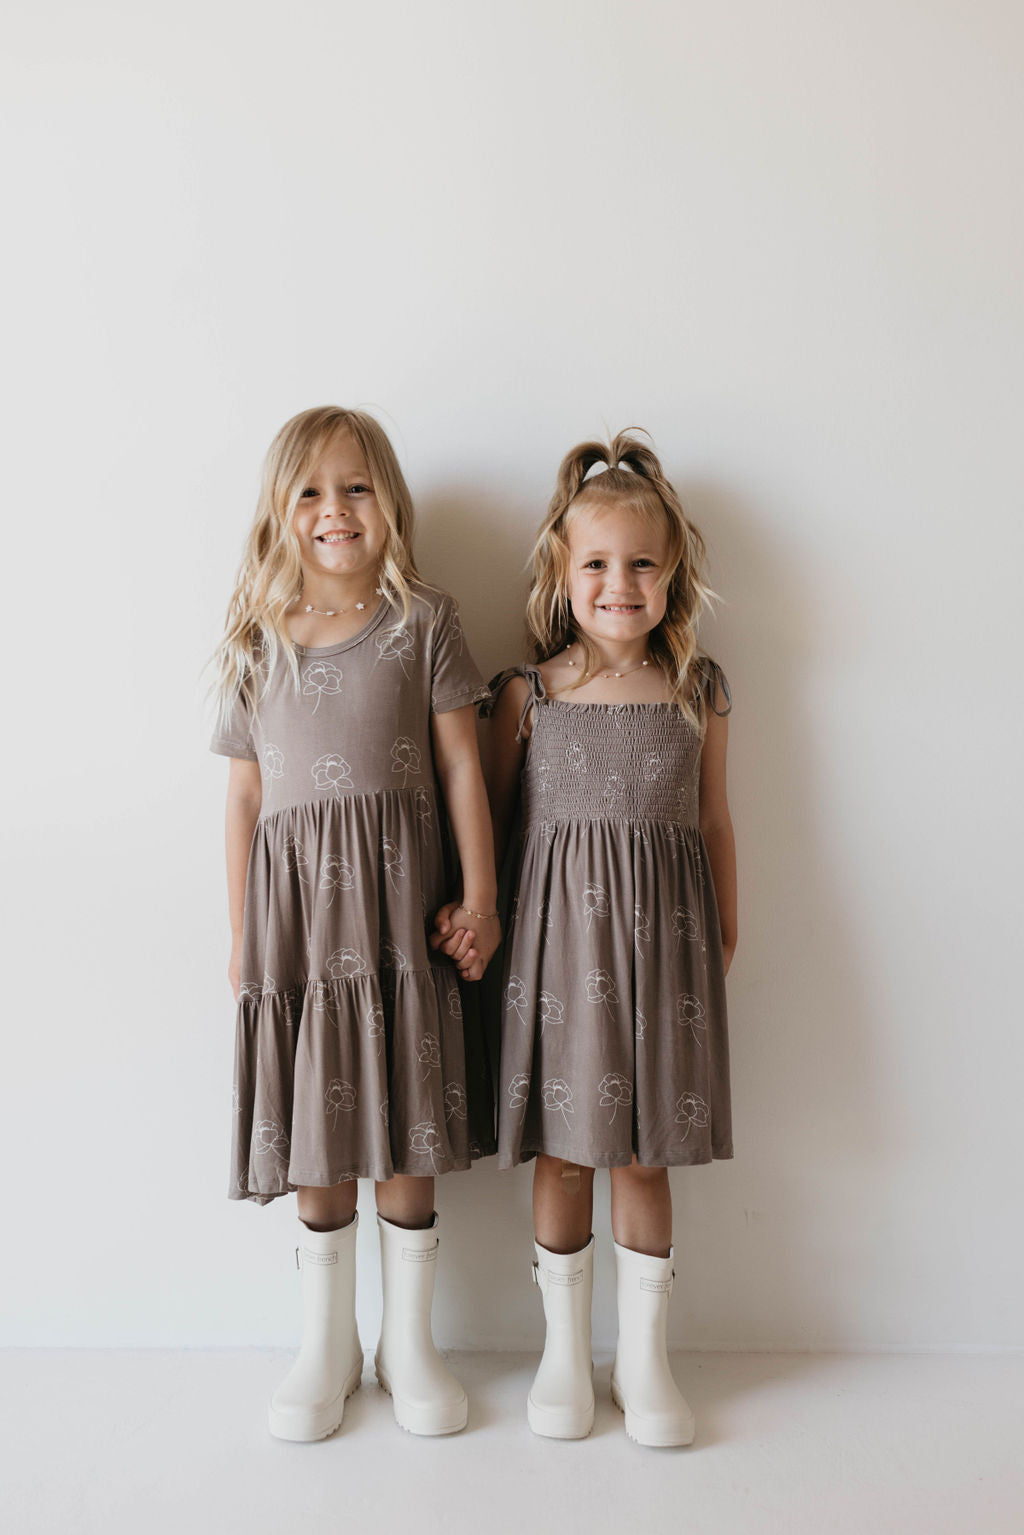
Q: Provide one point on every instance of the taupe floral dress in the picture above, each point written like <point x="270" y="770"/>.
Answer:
<point x="350" y="1059"/>
<point x="613" y="1030"/>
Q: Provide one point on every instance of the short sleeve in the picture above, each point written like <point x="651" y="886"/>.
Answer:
<point x="454" y="678"/>
<point x="233" y="738"/>
<point x="713" y="686"/>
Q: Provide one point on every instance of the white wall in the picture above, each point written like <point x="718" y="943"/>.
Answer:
<point x="786" y="239"/>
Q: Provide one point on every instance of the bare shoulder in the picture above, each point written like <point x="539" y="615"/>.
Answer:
<point x="508" y="708"/>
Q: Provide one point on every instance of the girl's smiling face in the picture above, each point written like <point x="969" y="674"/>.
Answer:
<point x="616" y="560"/>
<point x="338" y="522"/>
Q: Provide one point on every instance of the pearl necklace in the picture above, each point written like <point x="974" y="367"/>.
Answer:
<point x="335" y="612"/>
<point x="608" y="675"/>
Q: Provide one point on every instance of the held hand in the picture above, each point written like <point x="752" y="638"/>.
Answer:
<point x="486" y="935"/>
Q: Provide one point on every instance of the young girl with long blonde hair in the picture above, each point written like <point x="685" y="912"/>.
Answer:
<point x="347" y="708"/>
<point x="614" y="1047"/>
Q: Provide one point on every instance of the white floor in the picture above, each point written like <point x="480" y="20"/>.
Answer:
<point x="789" y="1443"/>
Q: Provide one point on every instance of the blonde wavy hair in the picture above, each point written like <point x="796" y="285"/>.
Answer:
<point x="270" y="575"/>
<point x="643" y="488"/>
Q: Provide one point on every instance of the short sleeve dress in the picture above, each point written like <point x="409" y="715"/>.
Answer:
<point x="350" y="1059"/>
<point x="614" y="1036"/>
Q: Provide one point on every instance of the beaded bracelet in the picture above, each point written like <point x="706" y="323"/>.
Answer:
<point x="481" y="916"/>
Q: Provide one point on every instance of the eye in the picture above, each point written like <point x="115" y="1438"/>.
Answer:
<point x="594" y="565"/>
<point x="644" y="564"/>
<point x="309" y="491"/>
<point x="358" y="490"/>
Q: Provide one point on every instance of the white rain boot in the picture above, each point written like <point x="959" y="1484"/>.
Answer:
<point x="426" y="1396"/>
<point x="310" y="1401"/>
<point x="561" y="1400"/>
<point x="642" y="1384"/>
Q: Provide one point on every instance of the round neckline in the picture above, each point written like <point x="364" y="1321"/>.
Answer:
<point x="354" y="639"/>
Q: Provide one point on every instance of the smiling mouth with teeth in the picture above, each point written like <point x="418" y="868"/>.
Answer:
<point x="335" y="538"/>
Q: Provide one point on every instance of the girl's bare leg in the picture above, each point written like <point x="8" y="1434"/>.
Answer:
<point x="563" y="1207"/>
<point x="642" y="1209"/>
<point x="328" y="1209"/>
<point x="406" y="1202"/>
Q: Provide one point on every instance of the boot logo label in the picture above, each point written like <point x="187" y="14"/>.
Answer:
<point x="565" y="1279"/>
<point x="659" y="1286"/>
<point x="416" y="1255"/>
<point x="318" y="1259"/>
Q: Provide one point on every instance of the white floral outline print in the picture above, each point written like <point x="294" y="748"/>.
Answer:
<point x="684" y="925"/>
<point x="430" y="1054"/>
<point x="551" y="1010"/>
<point x="405" y="758"/>
<point x="692" y="1110"/>
<point x="454" y="1002"/>
<point x="558" y="1097"/>
<point x="690" y="1014"/>
<point x="544" y="914"/>
<point x="640" y="1026"/>
<point x="595" y="903"/>
<point x="396" y="645"/>
<point x="375" y="1025"/>
<point x="641" y="929"/>
<point x="614" y="788"/>
<point x="424" y="810"/>
<point x="601" y="989"/>
<point x="250" y="991"/>
<point x="345" y="963"/>
<point x="269" y="1139"/>
<point x="394" y="863"/>
<point x="455" y="1103"/>
<point x="340" y="1098"/>
<point x="519" y="1092"/>
<point x="320" y="677"/>
<point x="331" y="774"/>
<point x="390" y="956"/>
<point x="425" y="1140"/>
<point x="651" y="767"/>
<point x="515" y="997"/>
<point x="273" y="761"/>
<point x="336" y="873"/>
<point x="617" y="1090"/>
<point x="575" y="758"/>
<point x="294" y="858"/>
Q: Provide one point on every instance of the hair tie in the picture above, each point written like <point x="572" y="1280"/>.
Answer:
<point x="599" y="467"/>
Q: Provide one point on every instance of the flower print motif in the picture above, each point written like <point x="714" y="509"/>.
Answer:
<point x="683" y="799"/>
<point x="236" y="1101"/>
<point x="684" y="924"/>
<point x="518" y="1093"/>
<point x="385" y="1113"/>
<point x="405" y="758"/>
<point x="558" y="1097"/>
<point x="641" y="1026"/>
<point x="455" y="1105"/>
<point x="394" y="863"/>
<point x="324" y="1000"/>
<point x="549" y="828"/>
<point x="375" y="1024"/>
<point x="551" y="1009"/>
<point x="454" y="1002"/>
<point x="396" y="645"/>
<point x="318" y="678"/>
<point x="575" y="758"/>
<point x="269" y="1139"/>
<point x="273" y="761"/>
<point x="425" y="1140"/>
<point x="544" y="914"/>
<point x="293" y="857"/>
<point x="269" y="986"/>
<point x="651" y="767"/>
<point x="542" y="774"/>
<point x="641" y="929"/>
<point x="336" y="873"/>
<point x="595" y="903"/>
<point x="345" y="963"/>
<point x="639" y="835"/>
<point x="692" y="1110"/>
<point x="614" y="788"/>
<point x="390" y="956"/>
<point x="601" y="988"/>
<point x="430" y="1054"/>
<point x="331" y="773"/>
<point x="455" y="628"/>
<point x="249" y="991"/>
<point x="513" y="914"/>
<point x="515" y="997"/>
<point x="615" y="1090"/>
<point x="690" y="1014"/>
<point x="340" y="1098"/>
<point x="424" y="810"/>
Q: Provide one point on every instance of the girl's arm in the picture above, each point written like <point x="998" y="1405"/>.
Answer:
<point x="245" y="796"/>
<point x="716" y="828"/>
<point x="457" y="760"/>
<point x="503" y="759"/>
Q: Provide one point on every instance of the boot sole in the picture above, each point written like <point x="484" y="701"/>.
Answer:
<point x="559" y="1422"/>
<point x="651" y="1434"/>
<point x="430" y="1422"/>
<point x="308" y="1428"/>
